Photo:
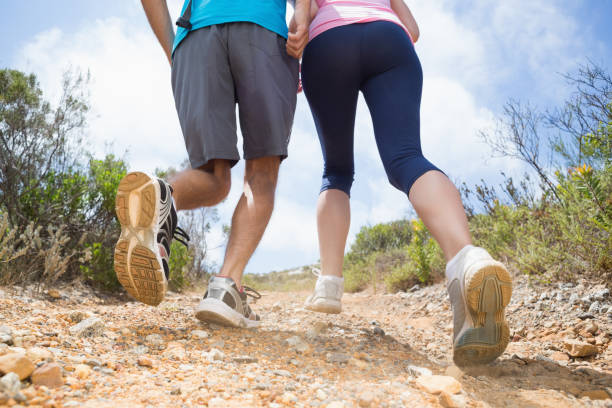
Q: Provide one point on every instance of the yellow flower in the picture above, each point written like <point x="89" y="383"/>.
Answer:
<point x="416" y="225"/>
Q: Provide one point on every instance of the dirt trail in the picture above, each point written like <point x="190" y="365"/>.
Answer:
<point x="377" y="353"/>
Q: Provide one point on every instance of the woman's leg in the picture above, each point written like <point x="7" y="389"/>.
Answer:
<point x="330" y="77"/>
<point x="393" y="93"/>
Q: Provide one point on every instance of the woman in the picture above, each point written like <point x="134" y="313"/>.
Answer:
<point x="367" y="46"/>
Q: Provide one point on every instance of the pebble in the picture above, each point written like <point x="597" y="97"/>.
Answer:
<point x="90" y="327"/>
<point x="577" y="348"/>
<point x="54" y="293"/>
<point x="145" y="361"/>
<point x="36" y="354"/>
<point x="591" y="327"/>
<point x="217" y="403"/>
<point x="16" y="363"/>
<point x="199" y="334"/>
<point x="49" y="375"/>
<point x="155" y="341"/>
<point x="213" y="355"/>
<point x="595" y="395"/>
<point x="10" y="384"/>
<point x="418" y="371"/>
<point x="82" y="371"/>
<point x="366" y="399"/>
<point x="320" y="394"/>
<point x="175" y="351"/>
<point x="244" y="359"/>
<point x="6" y="338"/>
<point x="340" y="358"/>
<point x="601" y="294"/>
<point x="282" y="373"/>
<point x="435" y="384"/>
<point x="594" y="308"/>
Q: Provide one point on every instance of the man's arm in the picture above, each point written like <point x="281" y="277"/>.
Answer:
<point x="405" y="16"/>
<point x="298" y="29"/>
<point x="159" y="19"/>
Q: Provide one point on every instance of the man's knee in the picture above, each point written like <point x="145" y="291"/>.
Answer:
<point x="261" y="175"/>
<point x="221" y="171"/>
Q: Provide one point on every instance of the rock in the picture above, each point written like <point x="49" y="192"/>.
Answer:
<point x="139" y="350"/>
<point x="36" y="354"/>
<point x="340" y="358"/>
<point x="601" y="294"/>
<point x="10" y="384"/>
<point x="6" y="338"/>
<point x="176" y="391"/>
<point x="585" y="316"/>
<point x="90" y="327"/>
<point x="418" y="371"/>
<point x="559" y="356"/>
<point x="366" y="399"/>
<point x="336" y="404"/>
<point x="447" y="401"/>
<point x="594" y="308"/>
<point x="217" y="402"/>
<point x="379" y="332"/>
<point x="298" y="344"/>
<point x="145" y="361"/>
<point x="574" y="299"/>
<point x="320" y="394"/>
<point x="49" y="375"/>
<point x="594" y="395"/>
<point x="16" y="363"/>
<point x="276" y="307"/>
<point x="436" y="384"/>
<point x="175" y="351"/>
<point x="77" y="316"/>
<point x="199" y="334"/>
<point x="456" y="373"/>
<point x="591" y="327"/>
<point x="213" y="355"/>
<point x="282" y="373"/>
<point x="155" y="341"/>
<point x="244" y="359"/>
<point x="54" y="293"/>
<point x="82" y="371"/>
<point x="577" y="348"/>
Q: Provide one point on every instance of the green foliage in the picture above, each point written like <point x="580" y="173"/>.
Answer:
<point x="282" y="281"/>
<point x="379" y="237"/>
<point x="179" y="263"/>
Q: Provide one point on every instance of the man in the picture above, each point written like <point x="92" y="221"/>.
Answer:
<point x="224" y="52"/>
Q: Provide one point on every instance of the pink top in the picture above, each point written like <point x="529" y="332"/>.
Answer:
<point x="336" y="13"/>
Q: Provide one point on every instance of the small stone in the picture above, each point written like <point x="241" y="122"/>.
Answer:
<point x="366" y="399"/>
<point x="139" y="350"/>
<point x="435" y="384"/>
<point x="594" y="394"/>
<point x="591" y="327"/>
<point x="199" y="334"/>
<point x="54" y="293"/>
<point x="340" y="358"/>
<point x="145" y="361"/>
<point x="155" y="341"/>
<point x="36" y="354"/>
<point x="125" y="331"/>
<point x="10" y="384"/>
<point x="82" y="371"/>
<point x="601" y="294"/>
<point x="175" y="351"/>
<point x="336" y="404"/>
<point x="213" y="355"/>
<point x="90" y="327"/>
<point x="559" y="356"/>
<point x="577" y="348"/>
<point x="282" y="373"/>
<point x="176" y="391"/>
<point x="16" y="363"/>
<point x="418" y="371"/>
<point x="6" y="338"/>
<point x="594" y="308"/>
<point x="574" y="299"/>
<point x="77" y="316"/>
<point x="378" y="331"/>
<point x="320" y="394"/>
<point x="217" y="403"/>
<point x="454" y="371"/>
<point x="49" y="375"/>
<point x="276" y="307"/>
<point x="244" y="359"/>
<point x="447" y="401"/>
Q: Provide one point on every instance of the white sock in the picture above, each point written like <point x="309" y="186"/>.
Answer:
<point x="453" y="264"/>
<point x="331" y="278"/>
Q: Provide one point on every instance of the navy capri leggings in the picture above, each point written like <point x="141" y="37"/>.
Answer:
<point x="379" y="60"/>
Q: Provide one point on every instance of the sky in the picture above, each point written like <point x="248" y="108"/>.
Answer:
<point x="476" y="55"/>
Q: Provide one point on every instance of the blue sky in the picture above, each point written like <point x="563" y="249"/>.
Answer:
<point x="475" y="56"/>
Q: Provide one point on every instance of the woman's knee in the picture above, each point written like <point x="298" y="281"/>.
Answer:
<point x="338" y="180"/>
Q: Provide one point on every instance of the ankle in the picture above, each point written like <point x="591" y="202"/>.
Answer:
<point x="455" y="262"/>
<point x="236" y="281"/>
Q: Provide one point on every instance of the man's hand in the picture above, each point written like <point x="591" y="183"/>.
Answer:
<point x="298" y="29"/>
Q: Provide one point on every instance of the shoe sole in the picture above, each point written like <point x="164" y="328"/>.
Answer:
<point x="216" y="311"/>
<point x="325" y="306"/>
<point x="138" y="264"/>
<point x="488" y="288"/>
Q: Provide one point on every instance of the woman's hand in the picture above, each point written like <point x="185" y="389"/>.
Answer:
<point x="298" y="29"/>
<point x="403" y="13"/>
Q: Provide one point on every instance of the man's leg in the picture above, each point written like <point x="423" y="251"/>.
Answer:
<point x="202" y="187"/>
<point x="251" y="215"/>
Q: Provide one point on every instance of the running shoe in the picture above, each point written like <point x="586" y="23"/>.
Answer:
<point x="146" y="212"/>
<point x="479" y="288"/>
<point x="327" y="294"/>
<point x="226" y="305"/>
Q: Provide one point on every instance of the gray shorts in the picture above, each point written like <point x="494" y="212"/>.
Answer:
<point x="218" y="66"/>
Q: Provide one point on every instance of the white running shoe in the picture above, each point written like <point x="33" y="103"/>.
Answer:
<point x="148" y="220"/>
<point x="479" y="288"/>
<point x="226" y="305"/>
<point x="327" y="294"/>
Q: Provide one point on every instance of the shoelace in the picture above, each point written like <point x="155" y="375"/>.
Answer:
<point x="181" y="236"/>
<point x="316" y="272"/>
<point x="251" y="292"/>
